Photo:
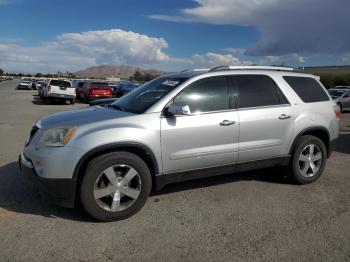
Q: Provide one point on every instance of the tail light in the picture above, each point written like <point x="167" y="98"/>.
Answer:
<point x="49" y="88"/>
<point x="337" y="111"/>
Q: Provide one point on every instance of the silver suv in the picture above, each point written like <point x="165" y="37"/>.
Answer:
<point x="192" y="124"/>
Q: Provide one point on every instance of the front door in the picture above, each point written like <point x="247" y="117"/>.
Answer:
<point x="208" y="135"/>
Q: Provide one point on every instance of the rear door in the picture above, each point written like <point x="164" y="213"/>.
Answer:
<point x="265" y="116"/>
<point x="208" y="136"/>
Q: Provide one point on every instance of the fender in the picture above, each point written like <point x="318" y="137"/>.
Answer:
<point x="310" y="129"/>
<point x="111" y="147"/>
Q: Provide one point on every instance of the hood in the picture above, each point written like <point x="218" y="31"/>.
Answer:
<point x="81" y="116"/>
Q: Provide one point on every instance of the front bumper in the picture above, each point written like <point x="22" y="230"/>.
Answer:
<point x="61" y="191"/>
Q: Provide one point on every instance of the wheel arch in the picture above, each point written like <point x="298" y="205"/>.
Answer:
<point x="142" y="151"/>
<point x="317" y="131"/>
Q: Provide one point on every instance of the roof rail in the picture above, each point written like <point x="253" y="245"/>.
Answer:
<point x="276" y="68"/>
<point x="195" y="70"/>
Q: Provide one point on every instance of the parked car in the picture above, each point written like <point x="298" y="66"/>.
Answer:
<point x="92" y="90"/>
<point x="112" y="84"/>
<point x="341" y="87"/>
<point x="38" y="84"/>
<point x="183" y="126"/>
<point x="57" y="89"/>
<point x="123" y="88"/>
<point x="25" y="83"/>
<point x="341" y="97"/>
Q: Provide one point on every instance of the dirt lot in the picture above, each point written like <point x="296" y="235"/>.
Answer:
<point x="255" y="216"/>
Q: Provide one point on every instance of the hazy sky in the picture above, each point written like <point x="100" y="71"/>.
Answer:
<point x="48" y="35"/>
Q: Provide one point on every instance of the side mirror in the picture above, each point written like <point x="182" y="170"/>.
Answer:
<point x="177" y="109"/>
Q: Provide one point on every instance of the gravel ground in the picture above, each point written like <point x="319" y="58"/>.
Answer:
<point x="253" y="216"/>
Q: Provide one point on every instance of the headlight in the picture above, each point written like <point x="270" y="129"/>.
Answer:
<point x="59" y="136"/>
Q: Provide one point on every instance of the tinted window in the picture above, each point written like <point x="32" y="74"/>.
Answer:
<point x="258" y="90"/>
<point x="307" y="88"/>
<point x="99" y="85"/>
<point x="211" y="94"/>
<point x="60" y="83"/>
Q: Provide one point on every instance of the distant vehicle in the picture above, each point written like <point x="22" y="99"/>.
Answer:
<point x="4" y="78"/>
<point x="76" y="82"/>
<point x="340" y="87"/>
<point x="57" y="89"/>
<point x="341" y="97"/>
<point x="112" y="84"/>
<point x="39" y="83"/>
<point x="123" y="88"/>
<point x="40" y="86"/>
<point x="92" y="90"/>
<point x="103" y="102"/>
<point x="25" y="84"/>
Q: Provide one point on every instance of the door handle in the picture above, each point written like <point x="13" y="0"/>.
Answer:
<point x="227" y="123"/>
<point x="284" y="116"/>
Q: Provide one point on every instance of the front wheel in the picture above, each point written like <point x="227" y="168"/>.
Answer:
<point x="115" y="186"/>
<point x="308" y="160"/>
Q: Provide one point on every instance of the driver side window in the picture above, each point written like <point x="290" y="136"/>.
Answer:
<point x="206" y="95"/>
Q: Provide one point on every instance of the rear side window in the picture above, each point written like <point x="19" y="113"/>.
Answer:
<point x="257" y="91"/>
<point x="206" y="95"/>
<point x="307" y="88"/>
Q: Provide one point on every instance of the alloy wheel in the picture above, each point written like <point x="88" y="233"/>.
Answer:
<point x="117" y="188"/>
<point x="310" y="160"/>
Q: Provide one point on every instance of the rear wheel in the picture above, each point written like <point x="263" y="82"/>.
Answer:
<point x="115" y="186"/>
<point x="308" y="160"/>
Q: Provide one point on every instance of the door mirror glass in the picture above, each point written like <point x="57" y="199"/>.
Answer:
<point x="178" y="109"/>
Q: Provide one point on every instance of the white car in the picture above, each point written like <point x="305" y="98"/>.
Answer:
<point x="25" y="83"/>
<point x="57" y="89"/>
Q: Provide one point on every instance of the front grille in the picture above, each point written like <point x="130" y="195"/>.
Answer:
<point x="32" y="133"/>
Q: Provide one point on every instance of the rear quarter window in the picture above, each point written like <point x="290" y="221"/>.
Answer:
<point x="307" y="88"/>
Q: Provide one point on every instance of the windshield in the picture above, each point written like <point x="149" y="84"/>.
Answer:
<point x="141" y="98"/>
<point x="336" y="93"/>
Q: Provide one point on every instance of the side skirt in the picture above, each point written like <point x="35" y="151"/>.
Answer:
<point x="164" y="179"/>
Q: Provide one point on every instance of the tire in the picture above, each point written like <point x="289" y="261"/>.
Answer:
<point x="72" y="101"/>
<point x="299" y="161"/>
<point x="118" y="164"/>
